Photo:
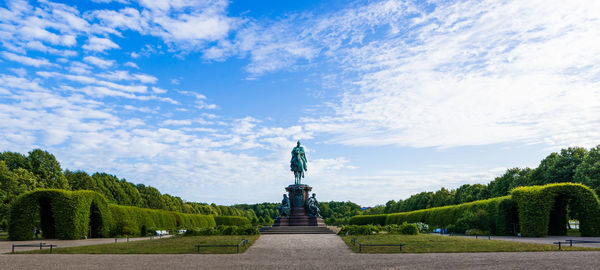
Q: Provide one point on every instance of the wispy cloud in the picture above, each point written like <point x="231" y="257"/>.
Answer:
<point x="28" y="61"/>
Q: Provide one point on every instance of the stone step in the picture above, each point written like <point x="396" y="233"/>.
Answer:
<point x="296" y="230"/>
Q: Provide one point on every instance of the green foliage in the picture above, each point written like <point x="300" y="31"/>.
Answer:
<point x="224" y="230"/>
<point x="359" y="229"/>
<point x="487" y="215"/>
<point x="337" y="213"/>
<point x="408" y="229"/>
<point x="133" y="221"/>
<point x="368" y="219"/>
<point x="588" y="172"/>
<point x="537" y="206"/>
<point x="45" y="166"/>
<point x="539" y="210"/>
<point x="60" y="214"/>
<point x="404" y="228"/>
<point x="231" y="221"/>
<point x="70" y="214"/>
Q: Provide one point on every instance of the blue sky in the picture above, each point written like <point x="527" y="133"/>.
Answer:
<point x="205" y="99"/>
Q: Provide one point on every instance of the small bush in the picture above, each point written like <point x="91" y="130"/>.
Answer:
<point x="408" y="229"/>
<point x="359" y="229"/>
<point x="476" y="232"/>
<point x="223" y="230"/>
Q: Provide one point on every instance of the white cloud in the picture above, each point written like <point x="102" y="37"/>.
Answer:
<point x="100" y="44"/>
<point x="99" y="62"/>
<point x="172" y="122"/>
<point x="28" y="61"/>
<point x="458" y="75"/>
<point x="131" y="65"/>
<point x="123" y="75"/>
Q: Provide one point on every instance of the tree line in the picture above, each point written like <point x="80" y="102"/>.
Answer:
<point x="334" y="213"/>
<point x="39" y="169"/>
<point x="573" y="164"/>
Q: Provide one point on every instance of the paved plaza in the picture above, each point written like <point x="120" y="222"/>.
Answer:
<point x="307" y="252"/>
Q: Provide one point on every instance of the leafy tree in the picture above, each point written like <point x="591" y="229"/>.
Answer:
<point x="15" y="160"/>
<point x="588" y="171"/>
<point x="80" y="180"/>
<point x="512" y="178"/>
<point x="45" y="166"/>
<point x="151" y="197"/>
<point x="13" y="184"/>
<point x="442" y="197"/>
<point x="557" y="168"/>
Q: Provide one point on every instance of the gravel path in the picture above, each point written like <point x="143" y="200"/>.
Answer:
<point x="308" y="252"/>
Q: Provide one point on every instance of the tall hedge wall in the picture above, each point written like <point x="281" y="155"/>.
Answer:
<point x="60" y="214"/>
<point x="130" y="220"/>
<point x="538" y="205"/>
<point x="70" y="214"/>
<point x="539" y="210"/>
<point x="498" y="209"/>
<point x="231" y="220"/>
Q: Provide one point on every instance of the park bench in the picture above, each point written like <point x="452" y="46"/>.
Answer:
<point x="355" y="242"/>
<point x="41" y="245"/>
<point x="571" y="242"/>
<point x="237" y="247"/>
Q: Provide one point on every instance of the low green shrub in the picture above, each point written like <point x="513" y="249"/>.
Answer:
<point x="359" y="229"/>
<point x="405" y="228"/>
<point x="224" y="230"/>
<point x="368" y="219"/>
<point x="408" y="229"/>
<point x="231" y="220"/>
<point x="476" y="232"/>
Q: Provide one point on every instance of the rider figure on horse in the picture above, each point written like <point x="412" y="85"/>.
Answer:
<point x="298" y="163"/>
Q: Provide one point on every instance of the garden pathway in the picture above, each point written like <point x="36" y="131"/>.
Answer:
<point x="307" y="251"/>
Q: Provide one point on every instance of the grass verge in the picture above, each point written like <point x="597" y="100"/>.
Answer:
<point x="425" y="243"/>
<point x="3" y="235"/>
<point x="175" y="245"/>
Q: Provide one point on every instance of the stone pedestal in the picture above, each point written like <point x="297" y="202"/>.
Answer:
<point x="298" y="214"/>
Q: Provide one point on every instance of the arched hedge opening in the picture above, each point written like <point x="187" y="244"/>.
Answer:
<point x="60" y="214"/>
<point x="75" y="214"/>
<point x="532" y="211"/>
<point x="543" y="209"/>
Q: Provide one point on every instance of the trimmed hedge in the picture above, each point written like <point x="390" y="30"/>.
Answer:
<point x="130" y="220"/>
<point x="61" y="214"/>
<point x="68" y="215"/>
<point x="495" y="208"/>
<point x="538" y="210"/>
<point x="499" y="211"/>
<point x="538" y="205"/>
<point x="231" y="221"/>
<point x="368" y="219"/>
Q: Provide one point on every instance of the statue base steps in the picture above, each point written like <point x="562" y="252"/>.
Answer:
<point x="297" y="220"/>
<point x="296" y="230"/>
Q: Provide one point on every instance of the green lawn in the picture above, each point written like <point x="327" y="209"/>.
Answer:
<point x="3" y="235"/>
<point x="425" y="243"/>
<point x="176" y="245"/>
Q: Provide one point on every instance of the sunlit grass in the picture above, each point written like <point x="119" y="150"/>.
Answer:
<point x="175" y="245"/>
<point x="425" y="243"/>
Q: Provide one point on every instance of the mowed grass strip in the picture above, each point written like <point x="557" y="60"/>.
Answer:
<point x="175" y="245"/>
<point x="3" y="235"/>
<point x="425" y="243"/>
